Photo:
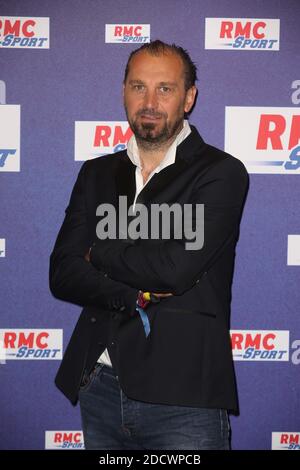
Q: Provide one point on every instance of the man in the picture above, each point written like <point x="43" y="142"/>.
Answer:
<point x="150" y="357"/>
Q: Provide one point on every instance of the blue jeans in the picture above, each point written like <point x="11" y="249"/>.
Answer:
<point x="111" y="420"/>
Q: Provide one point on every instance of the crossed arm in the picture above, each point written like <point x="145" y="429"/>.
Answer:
<point x="114" y="271"/>
<point x="168" y="266"/>
<point x="72" y="278"/>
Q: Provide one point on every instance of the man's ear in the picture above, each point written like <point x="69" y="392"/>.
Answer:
<point x="190" y="99"/>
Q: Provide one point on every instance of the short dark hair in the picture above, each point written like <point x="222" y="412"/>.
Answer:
<point x="157" y="48"/>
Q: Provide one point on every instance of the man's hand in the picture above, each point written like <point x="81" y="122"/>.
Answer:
<point x="87" y="258"/>
<point x="160" y="296"/>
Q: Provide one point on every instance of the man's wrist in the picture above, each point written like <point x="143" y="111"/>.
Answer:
<point x="145" y="298"/>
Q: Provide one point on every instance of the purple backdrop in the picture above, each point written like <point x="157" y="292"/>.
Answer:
<point x="79" y="79"/>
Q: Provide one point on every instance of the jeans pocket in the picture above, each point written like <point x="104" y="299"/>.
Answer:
<point x="89" y="378"/>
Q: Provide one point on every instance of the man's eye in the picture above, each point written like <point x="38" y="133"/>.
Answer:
<point x="164" y="89"/>
<point x="138" y="87"/>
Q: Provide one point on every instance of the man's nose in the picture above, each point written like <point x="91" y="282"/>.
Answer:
<point x="150" y="99"/>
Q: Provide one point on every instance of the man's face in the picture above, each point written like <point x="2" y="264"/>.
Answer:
<point x="155" y="99"/>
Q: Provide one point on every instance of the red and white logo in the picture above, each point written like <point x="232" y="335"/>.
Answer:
<point x="24" y="33"/>
<point x="285" y="440"/>
<point x="240" y="34"/>
<point x="127" y="33"/>
<point x="31" y="344"/>
<point x="68" y="440"/>
<point x="260" y="345"/>
<point x="266" y="140"/>
<point x="94" y="139"/>
<point x="10" y="137"/>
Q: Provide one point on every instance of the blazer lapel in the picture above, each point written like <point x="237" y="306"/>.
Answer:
<point x="125" y="173"/>
<point x="160" y="180"/>
<point x="125" y="179"/>
<point x="191" y="146"/>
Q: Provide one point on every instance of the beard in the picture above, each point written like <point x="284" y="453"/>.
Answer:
<point x="154" y="134"/>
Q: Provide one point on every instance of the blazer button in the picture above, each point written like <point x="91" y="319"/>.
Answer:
<point x="198" y="280"/>
<point x="122" y="308"/>
<point x="93" y="320"/>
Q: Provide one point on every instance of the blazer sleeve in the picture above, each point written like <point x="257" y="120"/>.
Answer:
<point x="168" y="266"/>
<point x="71" y="277"/>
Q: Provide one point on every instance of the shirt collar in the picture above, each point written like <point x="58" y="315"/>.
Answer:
<point x="169" y="158"/>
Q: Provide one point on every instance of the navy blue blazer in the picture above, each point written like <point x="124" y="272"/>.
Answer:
<point x="186" y="359"/>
